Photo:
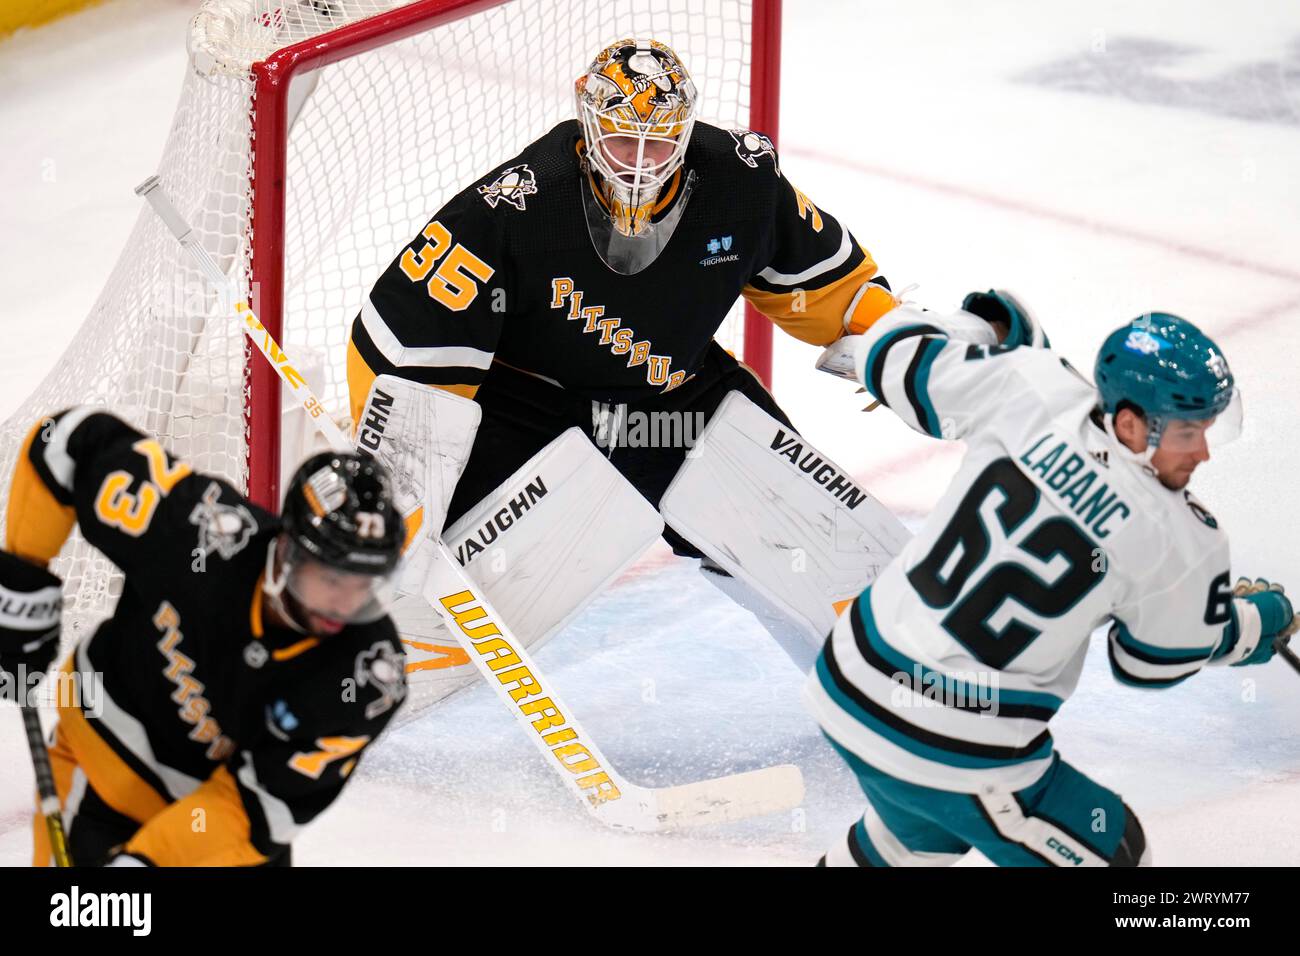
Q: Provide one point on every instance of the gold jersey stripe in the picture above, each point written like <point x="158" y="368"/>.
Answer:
<point x="170" y="838"/>
<point x="106" y="771"/>
<point x="36" y="524"/>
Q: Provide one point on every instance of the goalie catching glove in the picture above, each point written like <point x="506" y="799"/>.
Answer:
<point x="31" y="604"/>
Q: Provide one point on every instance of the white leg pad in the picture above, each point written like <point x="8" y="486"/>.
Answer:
<point x="541" y="546"/>
<point x="783" y="519"/>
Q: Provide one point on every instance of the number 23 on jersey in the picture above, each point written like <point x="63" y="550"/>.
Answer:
<point x="131" y="513"/>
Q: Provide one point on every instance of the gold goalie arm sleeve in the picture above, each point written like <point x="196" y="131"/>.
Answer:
<point x="819" y="283"/>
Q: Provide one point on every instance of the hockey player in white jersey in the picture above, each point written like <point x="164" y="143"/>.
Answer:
<point x="1070" y="511"/>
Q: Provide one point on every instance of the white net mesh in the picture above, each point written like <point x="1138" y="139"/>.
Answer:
<point x="378" y="143"/>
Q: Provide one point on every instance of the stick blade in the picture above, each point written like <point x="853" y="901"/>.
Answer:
<point x="738" y="797"/>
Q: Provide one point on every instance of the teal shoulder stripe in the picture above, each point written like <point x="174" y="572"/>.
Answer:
<point x="873" y="370"/>
<point x="932" y="348"/>
<point x="869" y="378"/>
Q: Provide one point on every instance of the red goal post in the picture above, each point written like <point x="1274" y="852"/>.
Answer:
<point x="312" y="139"/>
<point x="270" y="126"/>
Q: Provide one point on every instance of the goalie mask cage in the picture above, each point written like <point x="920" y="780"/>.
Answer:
<point x="312" y="141"/>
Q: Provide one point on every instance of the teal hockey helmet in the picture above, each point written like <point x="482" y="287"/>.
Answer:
<point x="1171" y="371"/>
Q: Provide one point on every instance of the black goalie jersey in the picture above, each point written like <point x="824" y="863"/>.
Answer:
<point x="506" y="272"/>
<point x="203" y="735"/>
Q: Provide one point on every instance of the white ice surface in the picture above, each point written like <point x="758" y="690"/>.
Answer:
<point x="922" y="127"/>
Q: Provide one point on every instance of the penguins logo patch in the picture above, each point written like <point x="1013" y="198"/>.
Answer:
<point x="751" y="147"/>
<point x="381" y="668"/>
<point x="511" y="186"/>
<point x="223" y="529"/>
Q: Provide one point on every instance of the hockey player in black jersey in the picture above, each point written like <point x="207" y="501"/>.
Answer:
<point x="583" y="281"/>
<point x="249" y="660"/>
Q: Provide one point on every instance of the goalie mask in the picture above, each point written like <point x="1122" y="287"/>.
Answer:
<point x="637" y="105"/>
<point x="341" y="541"/>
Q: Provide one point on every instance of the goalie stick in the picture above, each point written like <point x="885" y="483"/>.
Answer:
<point x="501" y="658"/>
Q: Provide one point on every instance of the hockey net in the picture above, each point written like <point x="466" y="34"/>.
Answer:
<point x="313" y="138"/>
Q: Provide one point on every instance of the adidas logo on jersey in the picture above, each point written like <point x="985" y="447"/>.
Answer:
<point x="255" y="654"/>
<point x="1081" y="489"/>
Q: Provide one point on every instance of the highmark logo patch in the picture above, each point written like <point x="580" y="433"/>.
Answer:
<point x="718" y="250"/>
